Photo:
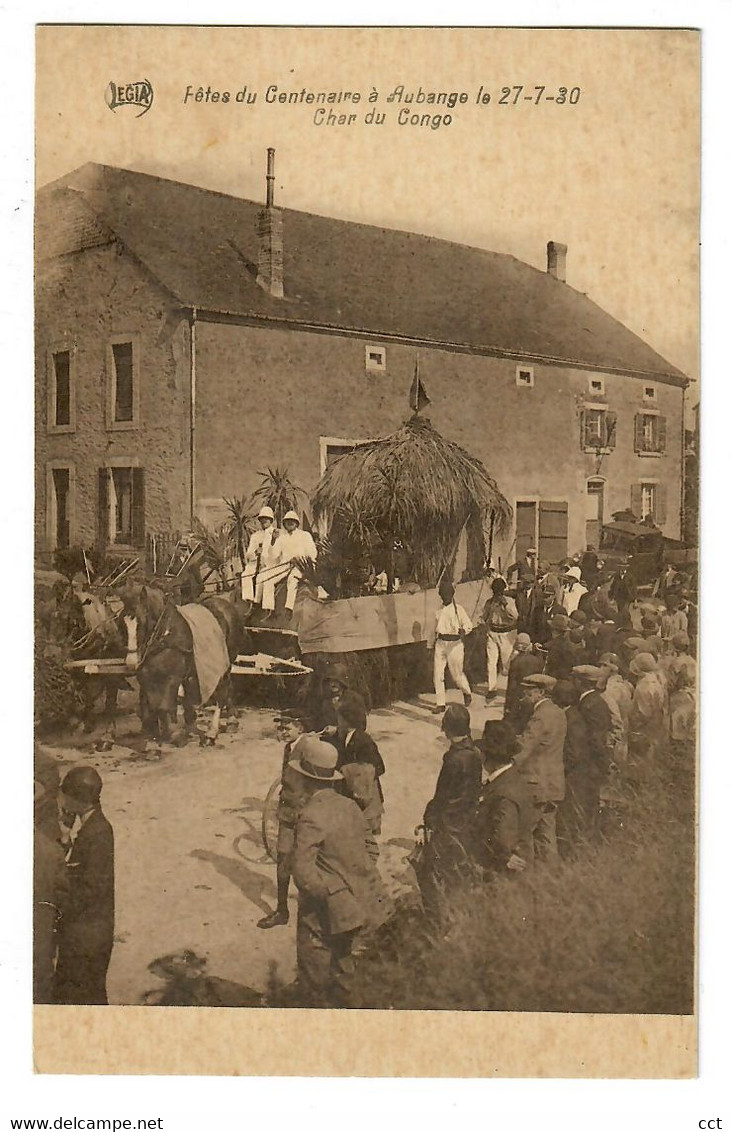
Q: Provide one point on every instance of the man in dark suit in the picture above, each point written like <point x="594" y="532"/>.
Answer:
<point x="623" y="591"/>
<point x="592" y="766"/>
<point x="449" y="816"/>
<point x="505" y="813"/>
<point x="87" y="926"/>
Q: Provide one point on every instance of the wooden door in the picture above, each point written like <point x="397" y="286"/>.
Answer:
<point x="553" y="523"/>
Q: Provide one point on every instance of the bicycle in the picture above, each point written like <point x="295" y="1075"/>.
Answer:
<point x="258" y="843"/>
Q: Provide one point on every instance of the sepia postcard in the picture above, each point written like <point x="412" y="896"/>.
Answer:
<point x="366" y="551"/>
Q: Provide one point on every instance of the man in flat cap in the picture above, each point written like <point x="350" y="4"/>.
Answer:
<point x="87" y="925"/>
<point x="541" y="760"/>
<point x="340" y="889"/>
<point x="524" y="662"/>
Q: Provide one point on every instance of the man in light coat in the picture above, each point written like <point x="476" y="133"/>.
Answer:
<point x="541" y="761"/>
<point x="340" y="889"/>
<point x="261" y="554"/>
<point x="295" y="544"/>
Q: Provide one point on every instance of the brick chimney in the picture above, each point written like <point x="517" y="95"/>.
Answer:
<point x="556" y="260"/>
<point x="269" y="233"/>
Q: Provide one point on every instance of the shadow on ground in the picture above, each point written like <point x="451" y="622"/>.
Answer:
<point x="186" y="983"/>
<point x="250" y="883"/>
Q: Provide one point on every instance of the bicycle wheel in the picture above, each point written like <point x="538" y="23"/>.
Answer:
<point x="270" y="819"/>
<point x="249" y="844"/>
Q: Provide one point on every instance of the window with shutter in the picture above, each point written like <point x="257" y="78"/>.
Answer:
<point x="138" y="507"/>
<point x="103" y="507"/>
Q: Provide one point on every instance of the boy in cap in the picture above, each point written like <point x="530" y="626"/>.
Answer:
<point x="453" y="625"/>
<point x="449" y="815"/>
<point x="541" y="761"/>
<point x="87" y="927"/>
<point x="340" y="891"/>
<point x="290" y="727"/>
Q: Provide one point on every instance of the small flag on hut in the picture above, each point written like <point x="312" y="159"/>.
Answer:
<point x="418" y="398"/>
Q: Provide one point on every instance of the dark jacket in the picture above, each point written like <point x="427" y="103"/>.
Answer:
<point x="504" y="819"/>
<point x="538" y="626"/>
<point x="622" y="589"/>
<point x="452" y="809"/>
<point x="521" y="665"/>
<point x="361" y="764"/>
<point x="87" y="925"/>
<point x="561" y="657"/>
<point x="541" y="757"/>
<point x="576" y="742"/>
<point x="598" y="720"/>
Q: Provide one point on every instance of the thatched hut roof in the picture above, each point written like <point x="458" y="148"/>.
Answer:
<point x="417" y="486"/>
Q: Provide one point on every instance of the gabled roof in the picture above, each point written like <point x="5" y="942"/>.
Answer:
<point x="202" y="246"/>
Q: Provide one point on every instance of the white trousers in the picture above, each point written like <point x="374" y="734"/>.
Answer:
<point x="293" y="581"/>
<point x="452" y="655"/>
<point x="263" y="593"/>
<point x="498" y="645"/>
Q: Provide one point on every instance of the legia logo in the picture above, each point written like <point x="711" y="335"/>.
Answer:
<point x="138" y="94"/>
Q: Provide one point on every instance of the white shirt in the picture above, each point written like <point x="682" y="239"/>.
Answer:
<point x="572" y="596"/>
<point x="299" y="544"/>
<point x="451" y="619"/>
<point x="260" y="541"/>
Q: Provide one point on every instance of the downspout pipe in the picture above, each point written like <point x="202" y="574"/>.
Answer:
<point x="192" y="421"/>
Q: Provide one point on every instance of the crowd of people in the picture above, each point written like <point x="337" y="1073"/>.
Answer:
<point x="597" y="690"/>
<point x="599" y="685"/>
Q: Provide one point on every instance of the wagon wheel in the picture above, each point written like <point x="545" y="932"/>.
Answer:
<point x="270" y="819"/>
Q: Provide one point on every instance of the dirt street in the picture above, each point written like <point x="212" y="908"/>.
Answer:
<point x="191" y="872"/>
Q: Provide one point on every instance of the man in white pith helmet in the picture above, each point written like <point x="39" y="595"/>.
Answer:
<point x="260" y="553"/>
<point x="295" y="545"/>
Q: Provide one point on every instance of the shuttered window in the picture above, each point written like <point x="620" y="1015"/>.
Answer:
<point x="597" y="429"/>
<point x="649" y="500"/>
<point x="121" y="506"/>
<point x="650" y="433"/>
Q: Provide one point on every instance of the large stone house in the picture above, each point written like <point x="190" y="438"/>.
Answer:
<point x="186" y="339"/>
